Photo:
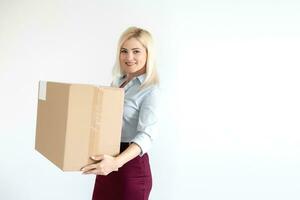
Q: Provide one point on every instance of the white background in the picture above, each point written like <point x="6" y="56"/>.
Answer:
<point x="230" y="76"/>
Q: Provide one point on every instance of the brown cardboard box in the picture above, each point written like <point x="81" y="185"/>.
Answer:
<point x="76" y="121"/>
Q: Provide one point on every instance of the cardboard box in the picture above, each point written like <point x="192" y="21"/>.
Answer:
<point x="76" y="121"/>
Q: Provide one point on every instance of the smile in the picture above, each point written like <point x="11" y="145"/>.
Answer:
<point x="129" y="63"/>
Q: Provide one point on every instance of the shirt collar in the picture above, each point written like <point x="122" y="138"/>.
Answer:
<point x="141" y="78"/>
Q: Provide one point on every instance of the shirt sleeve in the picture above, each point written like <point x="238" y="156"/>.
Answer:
<point x="147" y="122"/>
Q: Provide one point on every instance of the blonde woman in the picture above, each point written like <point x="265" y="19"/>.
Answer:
<point x="128" y="175"/>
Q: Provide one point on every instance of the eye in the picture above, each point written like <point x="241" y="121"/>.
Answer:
<point x="136" y="51"/>
<point x="123" y="51"/>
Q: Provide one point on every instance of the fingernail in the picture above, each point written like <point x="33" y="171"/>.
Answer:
<point x="93" y="157"/>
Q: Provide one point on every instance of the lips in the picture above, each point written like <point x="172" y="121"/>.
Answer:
<point x="130" y="63"/>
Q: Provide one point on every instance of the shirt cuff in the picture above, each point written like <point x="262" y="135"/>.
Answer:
<point x="143" y="141"/>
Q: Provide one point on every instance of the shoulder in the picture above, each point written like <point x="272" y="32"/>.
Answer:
<point x="151" y="94"/>
<point x="152" y="90"/>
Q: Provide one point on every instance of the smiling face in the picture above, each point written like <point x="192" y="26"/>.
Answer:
<point x="133" y="57"/>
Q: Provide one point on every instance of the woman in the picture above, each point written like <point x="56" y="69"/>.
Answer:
<point x="128" y="175"/>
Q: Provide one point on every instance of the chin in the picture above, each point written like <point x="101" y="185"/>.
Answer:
<point x="130" y="71"/>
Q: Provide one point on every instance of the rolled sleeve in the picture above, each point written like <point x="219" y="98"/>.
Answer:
<point x="147" y="123"/>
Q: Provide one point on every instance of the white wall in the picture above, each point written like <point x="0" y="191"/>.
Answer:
<point x="69" y="41"/>
<point x="229" y="73"/>
<point x="238" y="78"/>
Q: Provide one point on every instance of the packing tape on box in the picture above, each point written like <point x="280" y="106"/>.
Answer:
<point x="96" y="121"/>
<point x="42" y="90"/>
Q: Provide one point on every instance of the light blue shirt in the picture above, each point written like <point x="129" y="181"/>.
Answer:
<point x="140" y="113"/>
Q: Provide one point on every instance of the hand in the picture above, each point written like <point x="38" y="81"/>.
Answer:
<point x="106" y="165"/>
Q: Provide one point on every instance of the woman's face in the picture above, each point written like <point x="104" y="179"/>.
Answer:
<point x="133" y="56"/>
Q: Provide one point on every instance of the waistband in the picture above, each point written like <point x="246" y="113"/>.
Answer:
<point x="124" y="146"/>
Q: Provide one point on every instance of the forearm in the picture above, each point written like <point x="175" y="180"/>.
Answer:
<point x="131" y="152"/>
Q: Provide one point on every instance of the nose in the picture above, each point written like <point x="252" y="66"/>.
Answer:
<point x="129" y="56"/>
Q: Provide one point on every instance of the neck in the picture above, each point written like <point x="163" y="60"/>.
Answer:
<point x="137" y="73"/>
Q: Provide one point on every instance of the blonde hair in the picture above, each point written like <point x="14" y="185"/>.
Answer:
<point x="145" y="38"/>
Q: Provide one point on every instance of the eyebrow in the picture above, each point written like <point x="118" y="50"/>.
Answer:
<point x="132" y="48"/>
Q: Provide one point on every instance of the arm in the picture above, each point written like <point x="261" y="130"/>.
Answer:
<point x="110" y="163"/>
<point x="130" y="153"/>
<point x="147" y="123"/>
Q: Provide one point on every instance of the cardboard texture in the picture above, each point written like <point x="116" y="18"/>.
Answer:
<point x="76" y="121"/>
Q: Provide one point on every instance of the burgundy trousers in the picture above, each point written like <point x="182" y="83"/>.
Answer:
<point x="133" y="181"/>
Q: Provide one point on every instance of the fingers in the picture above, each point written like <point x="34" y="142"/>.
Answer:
<point x="103" y="166"/>
<point x="88" y="168"/>
<point x="97" y="157"/>
<point x="98" y="170"/>
<point x="91" y="167"/>
<point x="94" y="171"/>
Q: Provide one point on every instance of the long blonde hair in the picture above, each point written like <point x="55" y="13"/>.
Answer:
<point x="145" y="38"/>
